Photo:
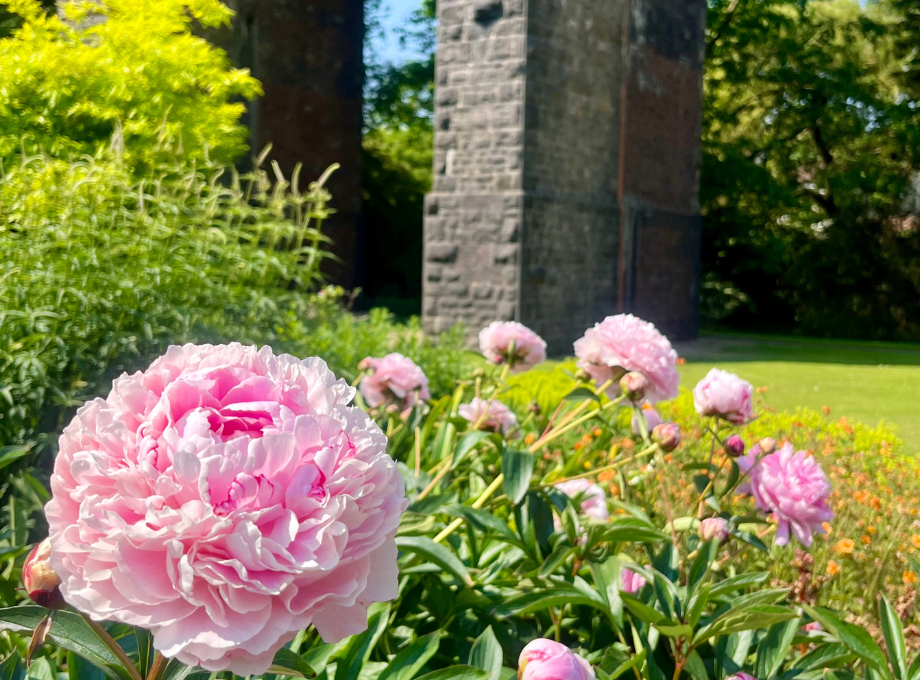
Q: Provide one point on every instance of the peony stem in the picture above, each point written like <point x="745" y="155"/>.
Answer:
<point x="158" y="667"/>
<point x="116" y="649"/>
<point x="478" y="503"/>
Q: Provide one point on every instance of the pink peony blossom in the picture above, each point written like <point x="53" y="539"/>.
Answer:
<point x="544" y="659"/>
<point x="741" y="676"/>
<point x="714" y="528"/>
<point x="512" y="343"/>
<point x="488" y="414"/>
<point x="652" y="419"/>
<point x="627" y="343"/>
<point x="225" y="499"/>
<point x="393" y="379"/>
<point x="792" y="486"/>
<point x="630" y="581"/>
<point x="724" y="395"/>
<point x="594" y="500"/>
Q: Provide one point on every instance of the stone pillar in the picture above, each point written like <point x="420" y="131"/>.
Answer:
<point x="308" y="54"/>
<point x="566" y="165"/>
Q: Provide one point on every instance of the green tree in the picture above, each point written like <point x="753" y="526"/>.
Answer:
<point x="810" y="146"/>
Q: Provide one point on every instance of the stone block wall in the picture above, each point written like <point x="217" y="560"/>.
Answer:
<point x="566" y="164"/>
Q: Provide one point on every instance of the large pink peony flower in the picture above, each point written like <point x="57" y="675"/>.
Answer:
<point x="544" y="659"/>
<point x="394" y="379"/>
<point x="628" y="343"/>
<point x="792" y="486"/>
<point x="512" y="343"/>
<point x="225" y="499"/>
<point x="725" y="395"/>
<point x="488" y="414"/>
<point x="593" y="498"/>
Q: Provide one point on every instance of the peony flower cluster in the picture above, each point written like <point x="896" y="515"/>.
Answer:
<point x="393" y="379"/>
<point x="225" y="499"/>
<point x="488" y="414"/>
<point x="625" y="343"/>
<point x="724" y="395"/>
<point x="512" y="343"/>
<point x="792" y="487"/>
<point x="544" y="659"/>
<point x="593" y="498"/>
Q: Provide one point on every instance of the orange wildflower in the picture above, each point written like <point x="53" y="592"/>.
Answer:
<point x="833" y="568"/>
<point x="761" y="390"/>
<point x="866" y="539"/>
<point x="826" y="409"/>
<point x="828" y="529"/>
<point x="530" y="438"/>
<point x="845" y="546"/>
<point x="915" y="539"/>
<point x="909" y="577"/>
<point x="597" y="432"/>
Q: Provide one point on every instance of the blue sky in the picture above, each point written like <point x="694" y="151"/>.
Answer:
<point x="395" y="13"/>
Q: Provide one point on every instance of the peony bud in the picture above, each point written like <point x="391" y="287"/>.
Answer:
<point x="741" y="676"/>
<point x="667" y="436"/>
<point x="767" y="445"/>
<point x="42" y="584"/>
<point x="545" y="659"/>
<point x="713" y="528"/>
<point x="734" y="446"/>
<point x="634" y="386"/>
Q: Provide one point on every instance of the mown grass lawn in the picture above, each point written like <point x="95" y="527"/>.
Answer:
<point x="865" y="381"/>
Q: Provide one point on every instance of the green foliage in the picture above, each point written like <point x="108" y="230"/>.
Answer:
<point x="124" y="67"/>
<point x="810" y="151"/>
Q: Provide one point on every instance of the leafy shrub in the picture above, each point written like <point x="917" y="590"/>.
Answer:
<point x="121" y="66"/>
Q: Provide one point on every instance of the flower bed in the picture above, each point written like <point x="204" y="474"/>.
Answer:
<point x="229" y="508"/>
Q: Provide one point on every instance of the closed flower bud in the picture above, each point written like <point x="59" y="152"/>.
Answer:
<point x="548" y="660"/>
<point x="734" y="446"/>
<point x="713" y="528"/>
<point x="767" y="445"/>
<point x="667" y="436"/>
<point x="42" y="584"/>
<point x="581" y="375"/>
<point x="634" y="386"/>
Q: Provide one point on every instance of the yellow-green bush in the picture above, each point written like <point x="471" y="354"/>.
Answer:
<point x="131" y="69"/>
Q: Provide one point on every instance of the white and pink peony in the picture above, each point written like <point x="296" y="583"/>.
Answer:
<point x="393" y="379"/>
<point x="512" y="343"/>
<point x="225" y="499"/>
<point x="625" y="343"/>
<point x="724" y="395"/>
<point x="489" y="414"/>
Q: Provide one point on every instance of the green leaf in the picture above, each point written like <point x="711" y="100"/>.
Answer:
<point x="774" y="647"/>
<point x="517" y="468"/>
<point x="734" y="583"/>
<point x="412" y="658"/>
<point x="145" y="651"/>
<point x="287" y="662"/>
<point x="826" y="655"/>
<point x="641" y="610"/>
<point x="486" y="654"/>
<point x="431" y="504"/>
<point x="633" y="530"/>
<point x="69" y="631"/>
<point x="555" y="559"/>
<point x="551" y="597"/>
<point x="10" y="454"/>
<point x="437" y="553"/>
<point x="913" y="673"/>
<point x="468" y="443"/>
<point x="706" y="553"/>
<point x="580" y="394"/>
<point x="12" y="668"/>
<point x="857" y="639"/>
<point x="695" y="666"/>
<point x="752" y="618"/>
<point x="484" y="521"/>
<point x="894" y="638"/>
<point x="79" y="668"/>
<point x="634" y="661"/>
<point x="457" y="673"/>
<point x="176" y="670"/>
<point x="360" y="646"/>
<point x="607" y="578"/>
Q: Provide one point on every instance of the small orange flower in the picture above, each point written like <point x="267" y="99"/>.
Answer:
<point x="915" y="539"/>
<point x="761" y="390"/>
<point x="845" y="546"/>
<point x="866" y="539"/>
<point x="909" y="577"/>
<point x="629" y="444"/>
<point x="597" y="432"/>
<point x="587" y="465"/>
<point x="530" y="438"/>
<point x="606" y="476"/>
<point x="871" y="531"/>
<point x="826" y="409"/>
<point x="833" y="568"/>
<point x="828" y="529"/>
<point x="681" y="361"/>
